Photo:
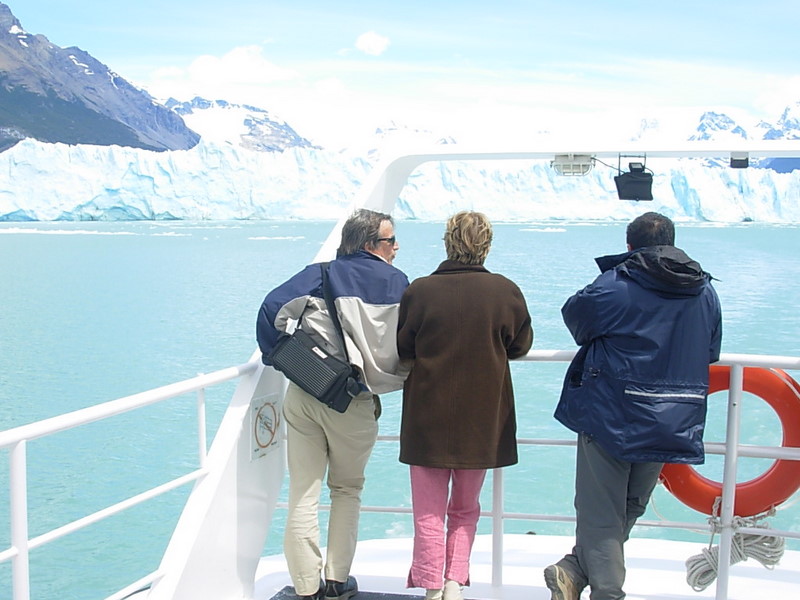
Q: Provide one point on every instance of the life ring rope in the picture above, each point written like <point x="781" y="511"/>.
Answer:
<point x="780" y="481"/>
<point x="701" y="569"/>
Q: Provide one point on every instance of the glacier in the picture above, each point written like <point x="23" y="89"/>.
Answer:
<point x="221" y="181"/>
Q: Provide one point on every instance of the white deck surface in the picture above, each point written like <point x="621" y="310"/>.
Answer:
<point x="656" y="571"/>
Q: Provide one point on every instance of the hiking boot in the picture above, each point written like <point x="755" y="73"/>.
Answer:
<point x="560" y="584"/>
<point x="452" y="590"/>
<point x="341" y="590"/>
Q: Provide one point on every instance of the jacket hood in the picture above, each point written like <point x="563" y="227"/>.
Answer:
<point x="663" y="268"/>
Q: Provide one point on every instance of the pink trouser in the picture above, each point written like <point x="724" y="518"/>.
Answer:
<point x="437" y="557"/>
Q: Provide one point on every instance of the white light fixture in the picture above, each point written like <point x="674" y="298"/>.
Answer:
<point x="572" y="164"/>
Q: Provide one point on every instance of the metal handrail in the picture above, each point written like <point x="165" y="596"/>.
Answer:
<point x="16" y="441"/>
<point x="112" y="408"/>
<point x="17" y="438"/>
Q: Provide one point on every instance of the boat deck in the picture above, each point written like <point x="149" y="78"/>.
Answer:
<point x="287" y="593"/>
<point x="656" y="571"/>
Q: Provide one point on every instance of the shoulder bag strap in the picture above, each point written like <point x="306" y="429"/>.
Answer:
<point x="326" y="293"/>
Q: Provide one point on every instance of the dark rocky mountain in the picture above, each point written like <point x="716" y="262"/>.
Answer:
<point x="56" y="94"/>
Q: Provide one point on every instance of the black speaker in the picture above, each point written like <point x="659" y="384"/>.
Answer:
<point x="634" y="186"/>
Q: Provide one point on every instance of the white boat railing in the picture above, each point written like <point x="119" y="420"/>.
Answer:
<point x="15" y="440"/>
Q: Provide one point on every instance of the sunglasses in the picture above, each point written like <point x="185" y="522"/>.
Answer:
<point x="391" y="240"/>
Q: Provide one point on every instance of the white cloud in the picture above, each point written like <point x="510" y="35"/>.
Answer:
<point x="240" y="65"/>
<point x="776" y="93"/>
<point x="331" y="87"/>
<point x="232" y="76"/>
<point x="372" y="43"/>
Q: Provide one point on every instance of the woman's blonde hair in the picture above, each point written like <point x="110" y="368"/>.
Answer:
<point x="468" y="237"/>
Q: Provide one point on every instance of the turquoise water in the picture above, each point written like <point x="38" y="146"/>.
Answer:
<point x="96" y="311"/>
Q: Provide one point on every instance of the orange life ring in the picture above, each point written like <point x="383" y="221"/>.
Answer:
<point x="772" y="487"/>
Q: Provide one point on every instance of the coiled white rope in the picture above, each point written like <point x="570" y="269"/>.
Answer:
<point x="701" y="569"/>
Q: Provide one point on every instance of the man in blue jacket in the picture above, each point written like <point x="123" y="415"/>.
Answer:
<point x="635" y="394"/>
<point x="366" y="291"/>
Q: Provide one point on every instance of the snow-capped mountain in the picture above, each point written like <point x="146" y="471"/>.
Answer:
<point x="250" y="127"/>
<point x="714" y="125"/>
<point x="58" y="94"/>
<point x="392" y="136"/>
<point x="788" y="125"/>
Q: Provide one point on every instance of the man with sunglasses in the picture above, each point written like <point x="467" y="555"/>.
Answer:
<point x="366" y="291"/>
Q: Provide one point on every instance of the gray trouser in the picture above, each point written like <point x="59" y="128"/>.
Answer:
<point x="610" y="495"/>
<point x="319" y="438"/>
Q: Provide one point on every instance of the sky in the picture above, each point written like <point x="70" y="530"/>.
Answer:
<point x="477" y="71"/>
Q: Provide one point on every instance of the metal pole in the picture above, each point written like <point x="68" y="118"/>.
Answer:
<point x="201" y="425"/>
<point x="729" y="479"/>
<point x="497" y="527"/>
<point x="18" y="479"/>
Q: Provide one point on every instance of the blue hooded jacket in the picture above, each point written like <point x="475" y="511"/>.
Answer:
<point x="648" y="328"/>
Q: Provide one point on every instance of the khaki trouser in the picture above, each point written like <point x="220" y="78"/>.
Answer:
<point x="319" y="438"/>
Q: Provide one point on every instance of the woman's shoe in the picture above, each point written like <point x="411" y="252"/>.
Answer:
<point x="452" y="590"/>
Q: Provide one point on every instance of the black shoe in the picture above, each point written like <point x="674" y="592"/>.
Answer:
<point x="338" y="590"/>
<point x="319" y="595"/>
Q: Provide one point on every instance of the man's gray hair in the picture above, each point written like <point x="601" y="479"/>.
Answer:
<point x="363" y="227"/>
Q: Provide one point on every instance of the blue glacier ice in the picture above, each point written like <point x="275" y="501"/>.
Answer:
<point x="213" y="181"/>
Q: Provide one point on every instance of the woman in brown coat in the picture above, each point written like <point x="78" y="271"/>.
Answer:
<point x="460" y="326"/>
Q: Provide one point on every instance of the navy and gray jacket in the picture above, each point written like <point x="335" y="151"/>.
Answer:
<point x="648" y="328"/>
<point x="366" y="291"/>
